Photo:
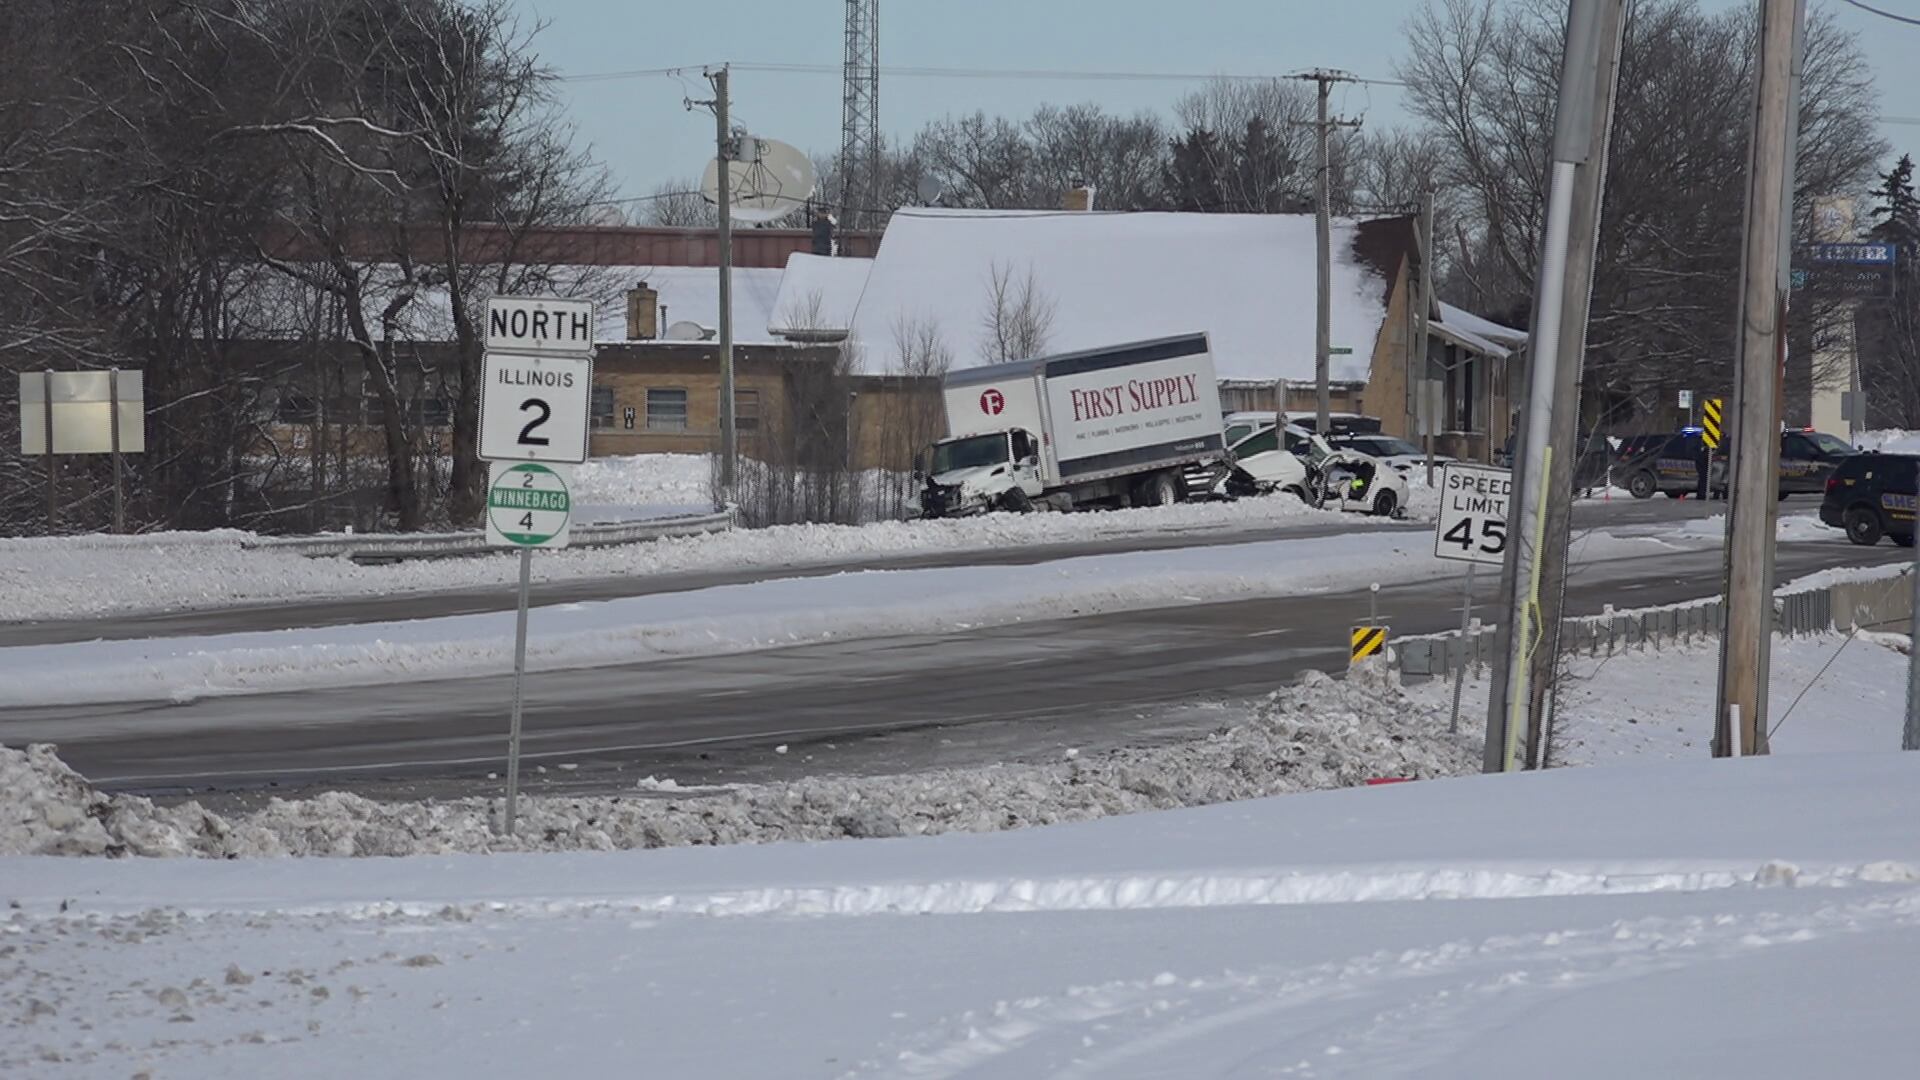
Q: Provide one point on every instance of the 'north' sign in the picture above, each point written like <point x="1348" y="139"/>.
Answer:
<point x="539" y="325"/>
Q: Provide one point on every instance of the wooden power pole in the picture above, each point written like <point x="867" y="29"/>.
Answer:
<point x="1323" y="127"/>
<point x="1746" y="639"/>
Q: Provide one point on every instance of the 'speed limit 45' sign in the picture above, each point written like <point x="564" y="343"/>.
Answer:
<point x="536" y="380"/>
<point x="1473" y="514"/>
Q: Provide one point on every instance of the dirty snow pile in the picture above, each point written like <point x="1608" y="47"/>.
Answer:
<point x="1321" y="733"/>
<point x="48" y="809"/>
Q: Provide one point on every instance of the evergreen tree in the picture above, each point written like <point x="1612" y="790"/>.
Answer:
<point x="1193" y="170"/>
<point x="1898" y="211"/>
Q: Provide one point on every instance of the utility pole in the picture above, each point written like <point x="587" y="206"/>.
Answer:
<point x="1577" y="167"/>
<point x="1746" y="639"/>
<point x="1323" y="251"/>
<point x="1420" y="336"/>
<point x="723" y="155"/>
<point x="1563" y="432"/>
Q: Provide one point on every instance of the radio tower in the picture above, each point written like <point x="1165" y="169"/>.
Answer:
<point x="860" y="113"/>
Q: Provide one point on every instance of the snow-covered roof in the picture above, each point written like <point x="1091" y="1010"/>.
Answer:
<point x="1247" y="280"/>
<point x="1463" y="321"/>
<point x="836" y="284"/>
<point x="692" y="293"/>
<point x="1467" y="339"/>
<point x="274" y="306"/>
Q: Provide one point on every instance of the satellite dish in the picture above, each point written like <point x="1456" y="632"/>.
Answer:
<point x="928" y="189"/>
<point x="687" y="330"/>
<point x="768" y="181"/>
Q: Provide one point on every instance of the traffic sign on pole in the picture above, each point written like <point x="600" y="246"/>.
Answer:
<point x="535" y="408"/>
<point x="536" y="396"/>
<point x="1710" y="426"/>
<point x="536" y="379"/>
<point x="1472" y="526"/>
<point x="539" y="325"/>
<point x="529" y="505"/>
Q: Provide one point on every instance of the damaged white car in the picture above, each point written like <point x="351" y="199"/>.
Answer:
<point x="1295" y="461"/>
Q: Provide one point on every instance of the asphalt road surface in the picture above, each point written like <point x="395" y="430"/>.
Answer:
<point x="426" y="605"/>
<point x="892" y="703"/>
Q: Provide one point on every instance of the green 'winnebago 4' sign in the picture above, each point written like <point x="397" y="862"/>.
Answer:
<point x="528" y="505"/>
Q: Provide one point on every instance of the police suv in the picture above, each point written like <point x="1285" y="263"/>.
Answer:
<point x="1872" y="495"/>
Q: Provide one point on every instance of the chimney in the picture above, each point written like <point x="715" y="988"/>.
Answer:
<point x="822" y="233"/>
<point x="643" y="314"/>
<point x="1079" y="197"/>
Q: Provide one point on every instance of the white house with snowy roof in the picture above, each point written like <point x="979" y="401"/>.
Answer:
<point x="1246" y="280"/>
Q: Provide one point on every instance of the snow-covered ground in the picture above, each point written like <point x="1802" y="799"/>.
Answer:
<point x="1596" y="922"/>
<point x="1577" y="923"/>
<point x="724" y="619"/>
<point x="1829" y="693"/>
<point x="71" y="577"/>
<point x="643" y="485"/>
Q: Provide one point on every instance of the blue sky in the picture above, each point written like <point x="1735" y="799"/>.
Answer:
<point x="639" y="129"/>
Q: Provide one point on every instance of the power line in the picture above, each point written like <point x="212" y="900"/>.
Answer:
<point x="636" y="73"/>
<point x="975" y="73"/>
<point x="1909" y="20"/>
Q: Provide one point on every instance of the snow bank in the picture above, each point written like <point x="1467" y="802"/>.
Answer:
<point x="643" y="485"/>
<point x="77" y="577"/>
<point x="1891" y="440"/>
<point x="1843" y="575"/>
<point x="1792" y="528"/>
<point x="1320" y="733"/>
<point x="48" y="809"/>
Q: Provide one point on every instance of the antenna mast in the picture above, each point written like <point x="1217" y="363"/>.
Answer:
<point x="860" y="112"/>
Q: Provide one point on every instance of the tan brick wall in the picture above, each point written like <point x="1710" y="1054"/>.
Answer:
<point x="1386" y="392"/>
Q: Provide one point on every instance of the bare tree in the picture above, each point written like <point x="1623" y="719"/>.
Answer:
<point x="1482" y="78"/>
<point x="1019" y="319"/>
<point x="678" y="204"/>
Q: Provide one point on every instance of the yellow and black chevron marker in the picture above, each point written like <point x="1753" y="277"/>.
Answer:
<point x="1710" y="422"/>
<point x="1368" y="642"/>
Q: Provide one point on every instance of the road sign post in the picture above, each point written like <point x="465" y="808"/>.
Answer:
<point x="529" y="505"/>
<point x="536" y="398"/>
<point x="1472" y="528"/>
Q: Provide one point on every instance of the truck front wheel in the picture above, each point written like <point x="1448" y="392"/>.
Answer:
<point x="1016" y="501"/>
<point x="1161" y="489"/>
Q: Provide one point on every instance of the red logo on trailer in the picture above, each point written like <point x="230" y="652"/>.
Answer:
<point x="993" y="403"/>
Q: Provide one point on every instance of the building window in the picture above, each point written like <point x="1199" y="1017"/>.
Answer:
<point x="666" y="410"/>
<point x="603" y="406"/>
<point x="746" y="410"/>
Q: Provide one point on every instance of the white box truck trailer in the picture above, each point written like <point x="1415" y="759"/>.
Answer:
<point x="1129" y="425"/>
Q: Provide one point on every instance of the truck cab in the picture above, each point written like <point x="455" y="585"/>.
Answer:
<point x="972" y="474"/>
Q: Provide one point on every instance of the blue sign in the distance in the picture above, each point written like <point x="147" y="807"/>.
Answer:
<point x="1856" y="254"/>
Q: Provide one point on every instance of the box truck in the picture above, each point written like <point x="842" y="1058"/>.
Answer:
<point x="1128" y="425"/>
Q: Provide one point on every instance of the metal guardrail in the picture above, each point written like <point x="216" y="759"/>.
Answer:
<point x="391" y="547"/>
<point x="1843" y="605"/>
